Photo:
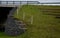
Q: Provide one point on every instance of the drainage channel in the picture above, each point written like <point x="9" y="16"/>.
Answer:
<point x="13" y="26"/>
<point x="4" y="12"/>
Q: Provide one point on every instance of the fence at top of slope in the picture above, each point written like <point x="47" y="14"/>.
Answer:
<point x="17" y="3"/>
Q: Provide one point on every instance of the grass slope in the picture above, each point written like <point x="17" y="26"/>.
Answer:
<point x="44" y="26"/>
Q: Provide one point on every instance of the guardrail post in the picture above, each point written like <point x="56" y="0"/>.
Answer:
<point x="0" y="2"/>
<point x="6" y="2"/>
<point x="13" y="2"/>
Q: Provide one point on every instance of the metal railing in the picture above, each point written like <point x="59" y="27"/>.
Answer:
<point x="18" y="2"/>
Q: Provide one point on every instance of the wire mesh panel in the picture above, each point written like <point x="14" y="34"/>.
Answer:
<point x="10" y="3"/>
<point x="17" y="3"/>
<point x="23" y="2"/>
<point x="32" y="2"/>
<point x="3" y="2"/>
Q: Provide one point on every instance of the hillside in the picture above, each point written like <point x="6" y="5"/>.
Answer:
<point x="45" y="24"/>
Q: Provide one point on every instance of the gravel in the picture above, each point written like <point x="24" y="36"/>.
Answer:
<point x="12" y="27"/>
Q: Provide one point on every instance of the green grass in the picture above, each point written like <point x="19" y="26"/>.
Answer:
<point x="44" y="26"/>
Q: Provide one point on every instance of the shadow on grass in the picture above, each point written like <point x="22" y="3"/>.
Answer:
<point x="3" y="35"/>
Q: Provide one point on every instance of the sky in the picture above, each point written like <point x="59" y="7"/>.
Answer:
<point x="42" y="1"/>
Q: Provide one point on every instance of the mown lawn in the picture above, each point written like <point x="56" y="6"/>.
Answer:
<point x="44" y="25"/>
